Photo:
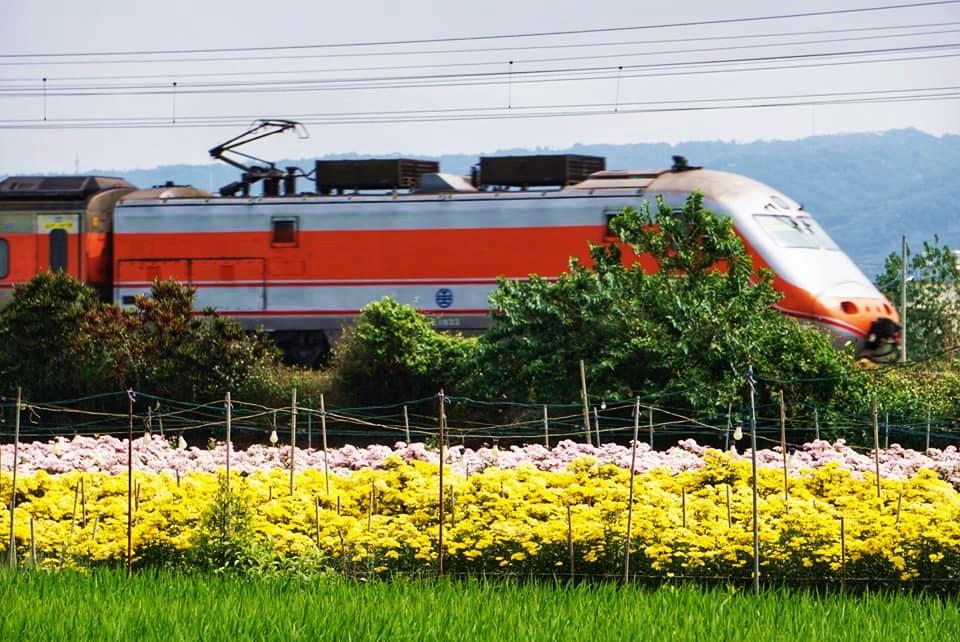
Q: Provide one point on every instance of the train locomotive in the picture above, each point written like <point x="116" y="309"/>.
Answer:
<point x="303" y="264"/>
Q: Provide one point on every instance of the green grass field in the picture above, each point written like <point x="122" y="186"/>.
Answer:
<point x="167" y="607"/>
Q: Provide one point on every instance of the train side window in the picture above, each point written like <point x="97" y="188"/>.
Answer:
<point x="58" y="250"/>
<point x="4" y="258"/>
<point x="284" y="232"/>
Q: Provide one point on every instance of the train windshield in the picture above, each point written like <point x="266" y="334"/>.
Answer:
<point x="821" y="235"/>
<point x="787" y="231"/>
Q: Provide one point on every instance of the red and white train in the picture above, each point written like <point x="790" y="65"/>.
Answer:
<point x="302" y="265"/>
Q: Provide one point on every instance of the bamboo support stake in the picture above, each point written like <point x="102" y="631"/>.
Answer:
<point x="886" y="430"/>
<point x="876" y="445"/>
<point x="317" y="518"/>
<point x="650" y="421"/>
<point x="596" y="425"/>
<point x="843" y="554"/>
<point x="96" y="527"/>
<point x="229" y="407"/>
<point x="33" y="544"/>
<point x="83" y="503"/>
<point x="76" y="500"/>
<point x="406" y="424"/>
<point x="928" y="429"/>
<point x="370" y="507"/>
<point x="443" y="421"/>
<point x="753" y="464"/>
<point x="453" y="506"/>
<point x="323" y="436"/>
<point x="546" y="427"/>
<point x="309" y="424"/>
<point x="12" y="541"/>
<point x="816" y="424"/>
<point x="783" y="448"/>
<point x="899" y="505"/>
<point x="130" y="398"/>
<point x="293" y="437"/>
<point x="570" y="538"/>
<point x="586" y="408"/>
<point x="633" y="466"/>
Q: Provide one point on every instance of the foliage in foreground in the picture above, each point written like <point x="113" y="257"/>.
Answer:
<point x="168" y="607"/>
<point x="518" y="521"/>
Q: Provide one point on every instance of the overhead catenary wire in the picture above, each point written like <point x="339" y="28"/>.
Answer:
<point x="471" y="78"/>
<point x="619" y="55"/>
<point x="537" y="34"/>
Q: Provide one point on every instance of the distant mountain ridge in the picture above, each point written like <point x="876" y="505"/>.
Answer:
<point x="865" y="189"/>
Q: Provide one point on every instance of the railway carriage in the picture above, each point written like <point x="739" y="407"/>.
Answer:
<point x="302" y="265"/>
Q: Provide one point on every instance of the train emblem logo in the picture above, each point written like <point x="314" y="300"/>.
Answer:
<point x="444" y="297"/>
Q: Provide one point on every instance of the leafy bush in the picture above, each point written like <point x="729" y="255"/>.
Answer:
<point x="393" y="353"/>
<point x="59" y="342"/>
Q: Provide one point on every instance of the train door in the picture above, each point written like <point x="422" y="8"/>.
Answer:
<point x="229" y="284"/>
<point x="58" y="243"/>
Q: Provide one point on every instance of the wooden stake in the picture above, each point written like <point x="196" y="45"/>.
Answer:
<point x="586" y="408"/>
<point x="12" y="541"/>
<point x="443" y="421"/>
<point x="406" y="424"/>
<point x="928" y="428"/>
<point x="370" y="508"/>
<point x="886" y="431"/>
<point x="650" y="421"/>
<point x="33" y="544"/>
<point x="899" y="505"/>
<point x="546" y="427"/>
<point x="293" y="437"/>
<point x="596" y="425"/>
<point x="317" y="515"/>
<point x="229" y="407"/>
<point x="816" y="424"/>
<point x="83" y="503"/>
<point x="309" y="424"/>
<point x="323" y="434"/>
<point x="129" y="482"/>
<point x="843" y="554"/>
<point x="876" y="444"/>
<point x="783" y="448"/>
<point x="633" y="466"/>
<point x="178" y="477"/>
<point x="570" y="537"/>
<point x="96" y="526"/>
<point x="453" y="507"/>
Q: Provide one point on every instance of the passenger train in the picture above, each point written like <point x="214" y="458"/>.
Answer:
<point x="303" y="264"/>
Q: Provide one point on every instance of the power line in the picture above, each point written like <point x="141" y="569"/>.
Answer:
<point x="622" y="55"/>
<point x="370" y="81"/>
<point x="476" y="116"/>
<point x="607" y="44"/>
<point x="539" y="34"/>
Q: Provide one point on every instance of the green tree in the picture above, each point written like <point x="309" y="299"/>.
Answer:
<point x="43" y="347"/>
<point x="933" y="298"/>
<point x="688" y="329"/>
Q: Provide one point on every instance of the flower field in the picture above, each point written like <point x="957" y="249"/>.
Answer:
<point x="527" y="511"/>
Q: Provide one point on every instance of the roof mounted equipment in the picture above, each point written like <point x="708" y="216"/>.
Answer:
<point x="253" y="173"/>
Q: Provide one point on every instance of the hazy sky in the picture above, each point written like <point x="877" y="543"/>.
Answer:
<point x="114" y="108"/>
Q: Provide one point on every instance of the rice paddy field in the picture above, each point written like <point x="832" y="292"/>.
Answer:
<point x="158" y="605"/>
